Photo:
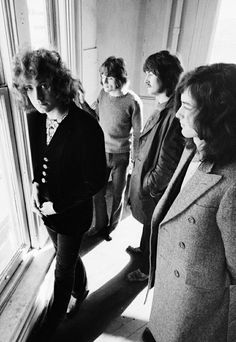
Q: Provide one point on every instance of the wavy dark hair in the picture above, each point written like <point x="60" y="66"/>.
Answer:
<point x="166" y="67"/>
<point x="43" y="64"/>
<point x="115" y="67"/>
<point x="213" y="88"/>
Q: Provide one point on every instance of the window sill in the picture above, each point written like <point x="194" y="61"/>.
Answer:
<point x="23" y="307"/>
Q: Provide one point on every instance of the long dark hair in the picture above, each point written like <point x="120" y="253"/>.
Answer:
<point x="213" y="87"/>
<point x="43" y="64"/>
<point x="166" y="67"/>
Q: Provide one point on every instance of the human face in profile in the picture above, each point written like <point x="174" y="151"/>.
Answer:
<point x="187" y="113"/>
<point x="153" y="83"/>
<point x="41" y="95"/>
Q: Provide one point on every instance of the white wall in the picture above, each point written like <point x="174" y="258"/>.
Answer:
<point x="134" y="29"/>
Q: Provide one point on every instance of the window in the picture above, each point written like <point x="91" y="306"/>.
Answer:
<point x="14" y="240"/>
<point x="19" y="228"/>
<point x="38" y="24"/>
<point x="224" y="43"/>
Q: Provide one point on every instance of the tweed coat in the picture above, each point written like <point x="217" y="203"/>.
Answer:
<point x="71" y="169"/>
<point x="160" y="148"/>
<point x="196" y="255"/>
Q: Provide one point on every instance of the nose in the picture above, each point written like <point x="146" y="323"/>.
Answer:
<point x="179" y="113"/>
<point x="104" y="79"/>
<point x="146" y="79"/>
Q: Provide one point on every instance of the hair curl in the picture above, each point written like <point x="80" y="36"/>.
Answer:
<point x="213" y="88"/>
<point x="43" y="64"/>
<point x="115" y="67"/>
<point x="166" y="67"/>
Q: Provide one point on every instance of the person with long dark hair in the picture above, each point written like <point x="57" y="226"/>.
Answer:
<point x="160" y="147"/>
<point x="195" y="260"/>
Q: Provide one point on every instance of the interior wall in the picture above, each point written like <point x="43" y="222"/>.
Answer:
<point x="119" y="23"/>
<point x="134" y="29"/>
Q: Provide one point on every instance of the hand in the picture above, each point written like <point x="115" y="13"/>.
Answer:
<point x="47" y="209"/>
<point x="35" y="199"/>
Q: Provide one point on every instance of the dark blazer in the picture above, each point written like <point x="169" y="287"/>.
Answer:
<point x="71" y="169"/>
<point x="196" y="255"/>
<point x="160" y="147"/>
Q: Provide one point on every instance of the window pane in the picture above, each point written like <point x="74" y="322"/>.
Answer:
<point x="38" y="24"/>
<point x="224" y="44"/>
<point x="12" y="229"/>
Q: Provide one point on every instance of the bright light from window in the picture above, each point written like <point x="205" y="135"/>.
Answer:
<point x="38" y="24"/>
<point x="224" y="43"/>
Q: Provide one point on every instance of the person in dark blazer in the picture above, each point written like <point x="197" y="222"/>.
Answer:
<point x="195" y="262"/>
<point x="68" y="155"/>
<point x="160" y="147"/>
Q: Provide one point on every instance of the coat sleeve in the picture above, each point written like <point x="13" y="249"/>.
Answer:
<point x="226" y="220"/>
<point x="137" y="118"/>
<point x="157" y="179"/>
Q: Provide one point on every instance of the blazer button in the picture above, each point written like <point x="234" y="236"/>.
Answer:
<point x="45" y="166"/>
<point x="191" y="219"/>
<point x="176" y="273"/>
<point x="43" y="180"/>
<point x="182" y="244"/>
<point x="44" y="173"/>
<point x="45" y="159"/>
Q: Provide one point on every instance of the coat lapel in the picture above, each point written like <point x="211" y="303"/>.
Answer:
<point x="197" y="185"/>
<point x="157" y="116"/>
<point x="167" y="198"/>
<point x="152" y="121"/>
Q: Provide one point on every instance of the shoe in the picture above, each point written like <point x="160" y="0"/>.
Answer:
<point x="137" y="275"/>
<point x="104" y="233"/>
<point x="75" y="305"/>
<point x="147" y="336"/>
<point x="133" y="250"/>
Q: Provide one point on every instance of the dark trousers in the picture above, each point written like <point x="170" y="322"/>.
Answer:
<point x="70" y="274"/>
<point x="117" y="164"/>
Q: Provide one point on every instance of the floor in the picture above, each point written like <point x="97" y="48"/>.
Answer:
<point x="114" y="309"/>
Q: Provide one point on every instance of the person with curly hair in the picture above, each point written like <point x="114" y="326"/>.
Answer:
<point x="68" y="156"/>
<point x="195" y="261"/>
<point x="119" y="111"/>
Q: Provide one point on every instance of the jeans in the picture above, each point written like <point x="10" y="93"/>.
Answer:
<point x="70" y="274"/>
<point x="117" y="164"/>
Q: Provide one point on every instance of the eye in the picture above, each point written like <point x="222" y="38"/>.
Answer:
<point x="186" y="106"/>
<point x="28" y="88"/>
<point x="44" y="86"/>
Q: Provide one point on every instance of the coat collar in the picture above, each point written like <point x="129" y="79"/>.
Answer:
<point x="157" y="115"/>
<point x="160" y="209"/>
<point x="198" y="184"/>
